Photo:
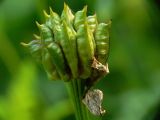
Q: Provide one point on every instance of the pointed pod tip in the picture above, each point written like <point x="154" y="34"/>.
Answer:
<point x="65" y="9"/>
<point x="24" y="44"/>
<point x="85" y="9"/>
<point x="65" y="5"/>
<point x="38" y="24"/>
<point x="51" y="11"/>
<point x="36" y="36"/>
<point x="46" y="14"/>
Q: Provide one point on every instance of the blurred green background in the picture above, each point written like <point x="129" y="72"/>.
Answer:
<point x="131" y="90"/>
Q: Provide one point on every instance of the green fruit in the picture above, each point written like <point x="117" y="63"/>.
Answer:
<point x="35" y="48"/>
<point x="92" y="22"/>
<point x="48" y="19"/>
<point x="58" y="60"/>
<point x="37" y="37"/>
<point x="68" y="43"/>
<point x="80" y="18"/>
<point x="68" y="17"/>
<point x="48" y="65"/>
<point x="85" y="50"/>
<point x="102" y="42"/>
<point x="45" y="33"/>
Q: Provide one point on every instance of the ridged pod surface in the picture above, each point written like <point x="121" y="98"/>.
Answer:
<point x="69" y="47"/>
<point x="48" y="65"/>
<point x="92" y="22"/>
<point x="58" y="60"/>
<point x="102" y="42"/>
<point x="80" y="18"/>
<point x="85" y="50"/>
<point x="35" y="49"/>
<point x="45" y="33"/>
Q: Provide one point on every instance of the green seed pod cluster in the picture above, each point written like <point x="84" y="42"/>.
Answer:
<point x="69" y="45"/>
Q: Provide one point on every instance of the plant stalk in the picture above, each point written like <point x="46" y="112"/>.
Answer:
<point x="76" y="89"/>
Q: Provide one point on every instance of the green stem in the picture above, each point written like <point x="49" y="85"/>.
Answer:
<point x="73" y="96"/>
<point x="76" y="90"/>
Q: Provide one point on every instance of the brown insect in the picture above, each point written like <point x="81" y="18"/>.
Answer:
<point x="93" y="100"/>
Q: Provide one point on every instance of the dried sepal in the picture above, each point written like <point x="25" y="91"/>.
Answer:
<point x="99" y="66"/>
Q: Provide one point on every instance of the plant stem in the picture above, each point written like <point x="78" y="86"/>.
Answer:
<point x="76" y="89"/>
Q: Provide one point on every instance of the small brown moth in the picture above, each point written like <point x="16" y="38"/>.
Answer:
<point x="93" y="100"/>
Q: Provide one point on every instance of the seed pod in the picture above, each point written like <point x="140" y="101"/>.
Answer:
<point x="55" y="25"/>
<point x="48" y="19"/>
<point x="85" y="49"/>
<point x="58" y="60"/>
<point x="80" y="18"/>
<point x="55" y="19"/>
<point x="102" y="42"/>
<point x="68" y="44"/>
<point x="48" y="65"/>
<point x="35" y="49"/>
<point x="68" y="17"/>
<point x="92" y="22"/>
<point x="46" y="34"/>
